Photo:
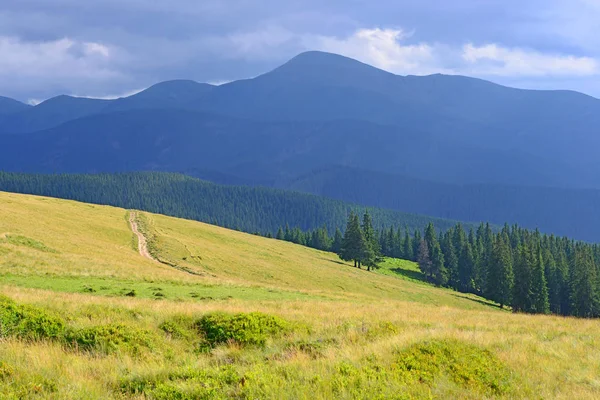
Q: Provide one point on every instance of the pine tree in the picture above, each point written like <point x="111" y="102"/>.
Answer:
<point x="500" y="274"/>
<point x="438" y="270"/>
<point x="279" y="235"/>
<point x="354" y="245"/>
<point x="371" y="252"/>
<point x="583" y="285"/>
<point x="466" y="269"/>
<point x="451" y="259"/>
<point x="539" y="287"/>
<point x="336" y="246"/>
<point x="416" y="243"/>
<point x="423" y="259"/>
<point x="522" y="300"/>
<point x="408" y="251"/>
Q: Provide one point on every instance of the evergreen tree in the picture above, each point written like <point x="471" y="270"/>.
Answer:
<point x="423" y="259"/>
<point x="466" y="269"/>
<point x="522" y="300"/>
<point x="451" y="259"/>
<point x="354" y="245"/>
<point x="583" y="285"/>
<point x="371" y="251"/>
<point x="539" y="287"/>
<point x="336" y="246"/>
<point x="416" y="242"/>
<point x="279" y="235"/>
<point x="500" y="274"/>
<point x="408" y="250"/>
<point x="438" y="270"/>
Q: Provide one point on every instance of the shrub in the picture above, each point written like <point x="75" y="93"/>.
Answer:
<point x="111" y="338"/>
<point x="245" y="329"/>
<point x="28" y="322"/>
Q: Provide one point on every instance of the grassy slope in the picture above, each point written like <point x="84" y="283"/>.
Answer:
<point x="85" y="256"/>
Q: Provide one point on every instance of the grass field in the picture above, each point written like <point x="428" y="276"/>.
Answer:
<point x="85" y="316"/>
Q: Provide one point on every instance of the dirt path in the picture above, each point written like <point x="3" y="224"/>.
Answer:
<point x="142" y="243"/>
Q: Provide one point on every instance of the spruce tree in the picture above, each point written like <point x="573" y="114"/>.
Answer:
<point x="500" y="274"/>
<point x="279" y="235"/>
<point x="522" y="300"/>
<point x="336" y="246"/>
<point x="583" y="285"/>
<point x="408" y="251"/>
<point x="353" y="244"/>
<point x="466" y="269"/>
<point x="424" y="260"/>
<point x="371" y="251"/>
<point x="439" y="272"/>
<point x="539" y="287"/>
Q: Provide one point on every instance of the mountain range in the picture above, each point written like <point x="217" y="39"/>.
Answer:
<point x="448" y="146"/>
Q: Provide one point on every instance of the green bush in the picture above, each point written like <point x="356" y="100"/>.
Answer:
<point x="110" y="339"/>
<point x="245" y="329"/>
<point x="28" y="322"/>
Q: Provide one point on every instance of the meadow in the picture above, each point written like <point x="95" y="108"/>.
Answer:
<point x="231" y="315"/>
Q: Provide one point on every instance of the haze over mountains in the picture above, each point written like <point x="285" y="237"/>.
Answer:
<point x="448" y="146"/>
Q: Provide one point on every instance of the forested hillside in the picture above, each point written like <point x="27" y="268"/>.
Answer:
<point x="251" y="209"/>
<point x="564" y="212"/>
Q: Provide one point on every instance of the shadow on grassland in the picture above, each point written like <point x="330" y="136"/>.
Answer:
<point x="480" y="301"/>
<point x="410" y="274"/>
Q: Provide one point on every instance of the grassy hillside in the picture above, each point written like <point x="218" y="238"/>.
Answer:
<point x="86" y="316"/>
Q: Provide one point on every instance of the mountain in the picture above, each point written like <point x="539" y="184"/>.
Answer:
<point x="10" y="106"/>
<point x="452" y="135"/>
<point x="170" y="94"/>
<point x="51" y="113"/>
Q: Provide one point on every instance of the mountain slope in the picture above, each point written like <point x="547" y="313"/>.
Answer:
<point x="446" y="128"/>
<point x="170" y="94"/>
<point x="10" y="106"/>
<point x="552" y="210"/>
<point x="51" y="113"/>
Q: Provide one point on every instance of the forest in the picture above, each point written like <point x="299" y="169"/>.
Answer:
<point x="248" y="209"/>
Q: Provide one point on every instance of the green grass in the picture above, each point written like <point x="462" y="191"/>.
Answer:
<point x="161" y="290"/>
<point x="88" y="317"/>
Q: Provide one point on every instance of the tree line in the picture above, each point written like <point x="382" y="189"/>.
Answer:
<point x="526" y="270"/>
<point x="248" y="209"/>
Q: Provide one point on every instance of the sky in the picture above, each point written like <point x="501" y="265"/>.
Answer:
<point x="113" y="48"/>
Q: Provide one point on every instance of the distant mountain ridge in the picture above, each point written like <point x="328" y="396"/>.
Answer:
<point x="11" y="106"/>
<point x="463" y="135"/>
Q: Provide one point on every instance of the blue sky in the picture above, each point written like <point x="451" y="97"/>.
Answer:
<point x="108" y="48"/>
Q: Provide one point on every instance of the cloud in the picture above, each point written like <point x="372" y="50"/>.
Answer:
<point x="382" y="48"/>
<point x="389" y="49"/>
<point x="63" y="64"/>
<point x="492" y="59"/>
